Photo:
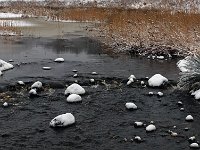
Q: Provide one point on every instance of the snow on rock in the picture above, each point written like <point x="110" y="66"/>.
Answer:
<point x="20" y="82"/>
<point x="182" y="64"/>
<point x="59" y="60"/>
<point x="5" y="104"/>
<point x="46" y="68"/>
<point x="196" y="94"/>
<point x="74" y="98"/>
<point x="160" y="94"/>
<point x="74" y="89"/>
<point x="174" y="134"/>
<point x="94" y="73"/>
<point x="192" y="139"/>
<point x="189" y="118"/>
<point x="75" y="75"/>
<point x="129" y="82"/>
<point x="160" y="57"/>
<point x="194" y="145"/>
<point x="131" y="77"/>
<point x="74" y="70"/>
<point x="63" y="120"/>
<point x="1" y="73"/>
<point x="130" y="105"/>
<point x="151" y="93"/>
<point x="138" y="139"/>
<point x="157" y="80"/>
<point x="180" y="103"/>
<point x="5" y="66"/>
<point x="33" y="92"/>
<point x="37" y="85"/>
<point x="138" y="124"/>
<point x="182" y="109"/>
<point x="150" y="128"/>
<point x="92" y="80"/>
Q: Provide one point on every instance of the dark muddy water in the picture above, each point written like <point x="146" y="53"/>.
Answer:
<point x="102" y="122"/>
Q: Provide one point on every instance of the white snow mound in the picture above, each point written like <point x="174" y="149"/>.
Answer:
<point x="130" y="105"/>
<point x="5" y="66"/>
<point x="194" y="145"/>
<point x="75" y="89"/>
<point x="37" y="84"/>
<point x="189" y="118"/>
<point x="20" y="82"/>
<point x="33" y="92"/>
<point x="157" y="80"/>
<point x="62" y="120"/>
<point x="74" y="98"/>
<point x="150" y="128"/>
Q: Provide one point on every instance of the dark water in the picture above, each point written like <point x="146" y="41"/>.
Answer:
<point x="102" y="122"/>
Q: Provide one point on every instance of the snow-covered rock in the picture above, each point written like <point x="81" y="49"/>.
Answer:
<point x="1" y="73"/>
<point x="180" y="103"/>
<point x="92" y="80"/>
<point x="63" y="120"/>
<point x="182" y="64"/>
<point x="194" y="145"/>
<point x="94" y="73"/>
<point x="74" y="70"/>
<point x="130" y="105"/>
<point x="131" y="77"/>
<point x="196" y="94"/>
<point x="32" y="92"/>
<point x="160" y="57"/>
<point x="157" y="80"/>
<point x="129" y="82"/>
<point x="46" y="68"/>
<point x="74" y="89"/>
<point x="151" y="93"/>
<point x="160" y="94"/>
<point x="59" y="60"/>
<point x="75" y="75"/>
<point x="189" y="118"/>
<point x="174" y="134"/>
<point x="192" y="139"/>
<point x="182" y="109"/>
<point x="142" y="83"/>
<point x="5" y="66"/>
<point x="20" y="82"/>
<point x="37" y="85"/>
<point x="74" y="98"/>
<point x="138" y="139"/>
<point x="138" y="124"/>
<point x="150" y="128"/>
<point x="5" y="104"/>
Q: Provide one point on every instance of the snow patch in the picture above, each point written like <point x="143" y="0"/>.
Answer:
<point x="63" y="120"/>
<point x="189" y="118"/>
<point x="10" y="15"/>
<point x="196" y="94"/>
<point x="157" y="80"/>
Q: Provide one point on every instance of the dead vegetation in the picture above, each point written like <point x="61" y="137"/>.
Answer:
<point x="143" y="30"/>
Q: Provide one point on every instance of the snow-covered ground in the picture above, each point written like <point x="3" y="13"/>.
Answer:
<point x="10" y="15"/>
<point x="15" y="23"/>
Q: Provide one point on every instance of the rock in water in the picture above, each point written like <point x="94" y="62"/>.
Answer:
<point x="157" y="80"/>
<point x="46" y="68"/>
<point x="1" y="73"/>
<point x="5" y="104"/>
<point x="131" y="77"/>
<point x="74" y="98"/>
<point x="94" y="73"/>
<point x="131" y="106"/>
<point x="92" y="80"/>
<point x="37" y="85"/>
<point x="194" y="145"/>
<point x="138" y="139"/>
<point x="74" y="89"/>
<point x="138" y="124"/>
<point x="150" y="128"/>
<point x="33" y="92"/>
<point x="63" y="120"/>
<point x="189" y="118"/>
<point x="20" y="82"/>
<point x="160" y="94"/>
<point x="5" y="66"/>
<point x="59" y="60"/>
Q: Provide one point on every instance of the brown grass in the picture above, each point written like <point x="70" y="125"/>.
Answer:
<point x="150" y="29"/>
